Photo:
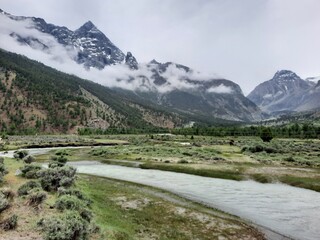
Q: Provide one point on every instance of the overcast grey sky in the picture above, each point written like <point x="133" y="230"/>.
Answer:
<point x="245" y="41"/>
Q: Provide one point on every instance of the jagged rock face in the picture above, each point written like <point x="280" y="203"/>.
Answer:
<point x="207" y="99"/>
<point x="284" y="92"/>
<point x="131" y="61"/>
<point x="93" y="47"/>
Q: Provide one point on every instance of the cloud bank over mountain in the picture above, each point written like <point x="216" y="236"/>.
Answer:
<point x="46" y="49"/>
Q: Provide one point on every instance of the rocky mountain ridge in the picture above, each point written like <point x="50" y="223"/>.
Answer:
<point x="93" y="48"/>
<point x="169" y="85"/>
<point x="286" y="91"/>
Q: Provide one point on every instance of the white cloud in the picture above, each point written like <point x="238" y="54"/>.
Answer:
<point x="245" y="41"/>
<point x="62" y="58"/>
<point x="220" y="89"/>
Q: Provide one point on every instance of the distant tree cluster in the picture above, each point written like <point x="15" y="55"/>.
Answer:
<point x="288" y="131"/>
<point x="99" y="131"/>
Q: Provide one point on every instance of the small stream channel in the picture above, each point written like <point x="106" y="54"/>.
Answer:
<point x="290" y="211"/>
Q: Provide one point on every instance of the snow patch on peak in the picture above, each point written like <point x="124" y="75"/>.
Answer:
<point x="267" y="96"/>
<point x="285" y="75"/>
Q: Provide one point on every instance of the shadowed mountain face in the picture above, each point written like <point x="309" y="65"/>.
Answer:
<point x="36" y="98"/>
<point x="286" y="92"/>
<point x="171" y="86"/>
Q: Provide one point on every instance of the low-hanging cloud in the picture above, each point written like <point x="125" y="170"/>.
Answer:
<point x="63" y="59"/>
<point x="246" y="41"/>
<point x="220" y="89"/>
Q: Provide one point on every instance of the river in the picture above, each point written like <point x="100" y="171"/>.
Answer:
<point x="290" y="211"/>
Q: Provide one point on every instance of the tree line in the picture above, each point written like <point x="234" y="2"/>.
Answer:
<point x="288" y="131"/>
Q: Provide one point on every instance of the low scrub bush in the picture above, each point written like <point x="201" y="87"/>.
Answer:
<point x="1" y="160"/>
<point x="35" y="197"/>
<point x="53" y="165"/>
<point x="60" y="160"/>
<point x="68" y="226"/>
<point x="259" y="148"/>
<point x="3" y="171"/>
<point x="53" y="178"/>
<point x="70" y="202"/>
<point x="182" y="161"/>
<point x="28" y="159"/>
<point x="66" y="182"/>
<point x="187" y="154"/>
<point x="270" y="150"/>
<point x="25" y="188"/>
<point x="289" y="159"/>
<point x="30" y="170"/>
<point x="20" y="154"/>
<point x="9" y="223"/>
<point x="62" y="153"/>
<point x="73" y="192"/>
<point x="4" y="203"/>
<point x="8" y="193"/>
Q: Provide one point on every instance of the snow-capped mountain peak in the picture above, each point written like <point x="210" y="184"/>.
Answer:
<point x="286" y="91"/>
<point x="285" y="75"/>
<point x="174" y="86"/>
<point x="88" y="26"/>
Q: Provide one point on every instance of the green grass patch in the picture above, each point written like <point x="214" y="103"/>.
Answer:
<point x="155" y="217"/>
<point x="261" y="178"/>
<point x="302" y="182"/>
<point x="214" y="173"/>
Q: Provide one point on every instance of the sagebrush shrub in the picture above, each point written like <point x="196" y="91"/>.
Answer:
<point x="61" y="160"/>
<point x="9" y="223"/>
<point x="25" y="188"/>
<point x="63" y="191"/>
<point x="28" y="159"/>
<point x="35" y="197"/>
<point x="3" y="171"/>
<point x="68" y="226"/>
<point x="8" y="193"/>
<point x="20" y="154"/>
<point x="30" y="170"/>
<point x="70" y="202"/>
<point x="4" y="203"/>
<point x="53" y="178"/>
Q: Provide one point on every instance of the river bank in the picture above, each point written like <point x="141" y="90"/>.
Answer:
<point x="125" y="210"/>
<point x="273" y="206"/>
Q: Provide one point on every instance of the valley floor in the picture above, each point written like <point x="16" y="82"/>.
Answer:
<point x="292" y="161"/>
<point x="129" y="211"/>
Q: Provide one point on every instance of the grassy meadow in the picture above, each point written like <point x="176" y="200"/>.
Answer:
<point x="121" y="210"/>
<point x="292" y="161"/>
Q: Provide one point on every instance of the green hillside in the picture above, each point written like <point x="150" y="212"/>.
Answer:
<point x="36" y="98"/>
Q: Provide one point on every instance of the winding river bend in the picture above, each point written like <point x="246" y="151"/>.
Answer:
<point x="291" y="211"/>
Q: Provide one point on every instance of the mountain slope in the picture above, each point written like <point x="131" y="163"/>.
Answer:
<point x="168" y="86"/>
<point x="286" y="92"/>
<point x="193" y="95"/>
<point x="35" y="97"/>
